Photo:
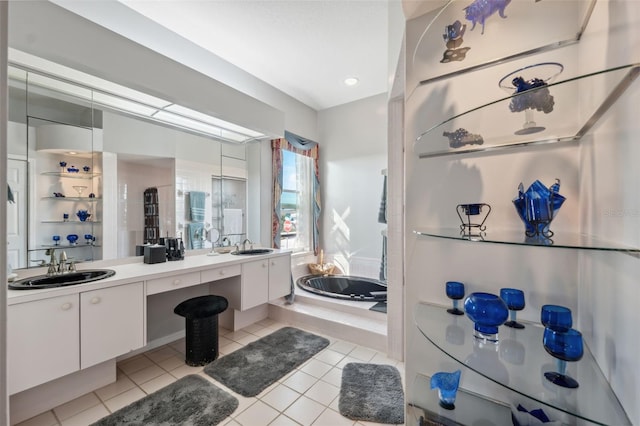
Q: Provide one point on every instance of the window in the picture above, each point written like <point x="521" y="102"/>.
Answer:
<point x="296" y="202"/>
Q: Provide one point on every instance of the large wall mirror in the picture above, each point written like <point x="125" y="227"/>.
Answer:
<point x="96" y="181"/>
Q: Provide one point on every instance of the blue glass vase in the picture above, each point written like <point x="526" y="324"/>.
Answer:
<point x="487" y="311"/>
<point x="447" y="385"/>
<point x="538" y="206"/>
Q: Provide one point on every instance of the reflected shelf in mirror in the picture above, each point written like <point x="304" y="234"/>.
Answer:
<point x="82" y="175"/>
<point x="72" y="222"/>
<point x="72" y="198"/>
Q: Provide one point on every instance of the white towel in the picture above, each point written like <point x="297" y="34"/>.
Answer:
<point x="233" y="224"/>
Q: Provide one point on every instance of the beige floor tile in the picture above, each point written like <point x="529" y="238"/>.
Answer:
<point x="223" y="331"/>
<point x="305" y="410"/>
<point x="315" y="367"/>
<point x="134" y="364"/>
<point x="329" y="356"/>
<point x="258" y="414"/>
<point x="253" y="328"/>
<point x="87" y="417"/>
<point x="322" y="392"/>
<point x="146" y="374"/>
<point x="332" y="418"/>
<point x="248" y="339"/>
<point x="236" y="335"/>
<point x="346" y="360"/>
<point x="124" y="399"/>
<point x="184" y="370"/>
<point x="280" y="397"/>
<point x="45" y="419"/>
<point x="300" y="381"/>
<point x="172" y="363"/>
<point x="380" y="358"/>
<point x="343" y="347"/>
<point x="71" y="408"/>
<point x="362" y="353"/>
<point x="231" y="347"/>
<point x="161" y="354"/>
<point x="334" y="376"/>
<point x="283" y="420"/>
<point x="122" y="384"/>
<point x="157" y="383"/>
<point x="230" y="422"/>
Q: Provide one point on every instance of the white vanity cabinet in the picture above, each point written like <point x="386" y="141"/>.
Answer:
<point x="43" y="341"/>
<point x="279" y="276"/>
<point x="112" y="322"/>
<point x="254" y="284"/>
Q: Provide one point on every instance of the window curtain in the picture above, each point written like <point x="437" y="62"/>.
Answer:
<point x="307" y="148"/>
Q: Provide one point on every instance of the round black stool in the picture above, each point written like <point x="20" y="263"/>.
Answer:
<point x="201" y="327"/>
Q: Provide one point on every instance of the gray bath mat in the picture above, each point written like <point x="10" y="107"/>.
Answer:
<point x="191" y="400"/>
<point x="251" y="369"/>
<point x="372" y="392"/>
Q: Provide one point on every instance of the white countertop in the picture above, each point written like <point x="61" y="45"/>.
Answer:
<point x="132" y="270"/>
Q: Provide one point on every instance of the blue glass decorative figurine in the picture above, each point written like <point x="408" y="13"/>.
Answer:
<point x="564" y="345"/>
<point x="455" y="291"/>
<point x="487" y="311"/>
<point x="514" y="299"/>
<point x="556" y="317"/>
<point x="453" y="34"/>
<point x="447" y="385"/>
<point x="538" y="206"/>
<point x="461" y="137"/>
<point x="480" y="10"/>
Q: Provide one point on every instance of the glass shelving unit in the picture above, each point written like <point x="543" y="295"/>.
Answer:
<point x="71" y="222"/>
<point x="558" y="240"/>
<point x="79" y="175"/>
<point x="494" y="126"/>
<point x="65" y="198"/>
<point x="518" y="362"/>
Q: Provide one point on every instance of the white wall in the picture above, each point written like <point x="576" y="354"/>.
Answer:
<point x="353" y="151"/>
<point x="4" y="96"/>
<point x="599" y="179"/>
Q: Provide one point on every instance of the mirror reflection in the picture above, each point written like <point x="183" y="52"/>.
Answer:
<point x="99" y="182"/>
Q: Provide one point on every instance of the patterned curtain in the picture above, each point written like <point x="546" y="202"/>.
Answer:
<point x="307" y="148"/>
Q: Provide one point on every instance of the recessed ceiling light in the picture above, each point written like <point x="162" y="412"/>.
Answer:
<point x="351" y="81"/>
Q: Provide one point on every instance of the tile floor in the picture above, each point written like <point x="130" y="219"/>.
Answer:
<point x="306" y="396"/>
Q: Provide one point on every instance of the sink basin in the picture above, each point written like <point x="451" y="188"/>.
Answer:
<point x="72" y="278"/>
<point x="253" y="251"/>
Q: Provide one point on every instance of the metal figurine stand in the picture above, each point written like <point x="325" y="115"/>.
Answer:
<point x="469" y="228"/>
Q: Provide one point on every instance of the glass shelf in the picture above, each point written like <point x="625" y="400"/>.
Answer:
<point x="477" y="130"/>
<point x="64" y="246"/>
<point x="72" y="198"/>
<point x="470" y="408"/>
<point x="71" y="222"/>
<point x="518" y="362"/>
<point x="443" y="51"/>
<point x="79" y="175"/>
<point x="559" y="239"/>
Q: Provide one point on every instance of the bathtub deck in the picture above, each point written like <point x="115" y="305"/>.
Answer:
<point x="341" y="319"/>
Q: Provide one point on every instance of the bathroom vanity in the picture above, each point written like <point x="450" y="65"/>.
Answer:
<point x="64" y="341"/>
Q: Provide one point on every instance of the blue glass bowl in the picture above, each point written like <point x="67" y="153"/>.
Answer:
<point x="487" y="311"/>
<point x="72" y="238"/>
<point x="447" y="385"/>
<point x="556" y="317"/>
<point x="538" y="206"/>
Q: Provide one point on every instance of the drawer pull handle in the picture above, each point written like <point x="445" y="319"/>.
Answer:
<point x="95" y="300"/>
<point x="176" y="282"/>
<point x="66" y="306"/>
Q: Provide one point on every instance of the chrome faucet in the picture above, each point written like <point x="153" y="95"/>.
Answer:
<point x="244" y="244"/>
<point x="58" y="266"/>
<point x="53" y="262"/>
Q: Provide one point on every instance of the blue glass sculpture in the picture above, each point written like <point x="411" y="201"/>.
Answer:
<point x="487" y="311"/>
<point x="480" y="10"/>
<point x="538" y="206"/>
<point x="514" y="299"/>
<point x="447" y="385"/>
<point x="461" y="137"/>
<point x="83" y="215"/>
<point x="564" y="345"/>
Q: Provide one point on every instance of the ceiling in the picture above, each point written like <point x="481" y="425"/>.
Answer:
<point x="305" y="48"/>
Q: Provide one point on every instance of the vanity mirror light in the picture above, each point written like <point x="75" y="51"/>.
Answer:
<point x="80" y="160"/>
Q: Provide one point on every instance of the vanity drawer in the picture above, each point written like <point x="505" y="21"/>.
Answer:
<point x="221" y="273"/>
<point x="160" y="285"/>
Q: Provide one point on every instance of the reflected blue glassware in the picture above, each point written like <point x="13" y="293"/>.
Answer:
<point x="564" y="345"/>
<point x="447" y="385"/>
<point x="538" y="206"/>
<point x="514" y="298"/>
<point x="83" y="215"/>
<point x="455" y="291"/>
<point x="556" y="317"/>
<point x="72" y="238"/>
<point x="487" y="311"/>
<point x="56" y="240"/>
<point x="86" y="169"/>
<point x="88" y="238"/>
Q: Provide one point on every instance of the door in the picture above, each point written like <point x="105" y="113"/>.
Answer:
<point x="17" y="214"/>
